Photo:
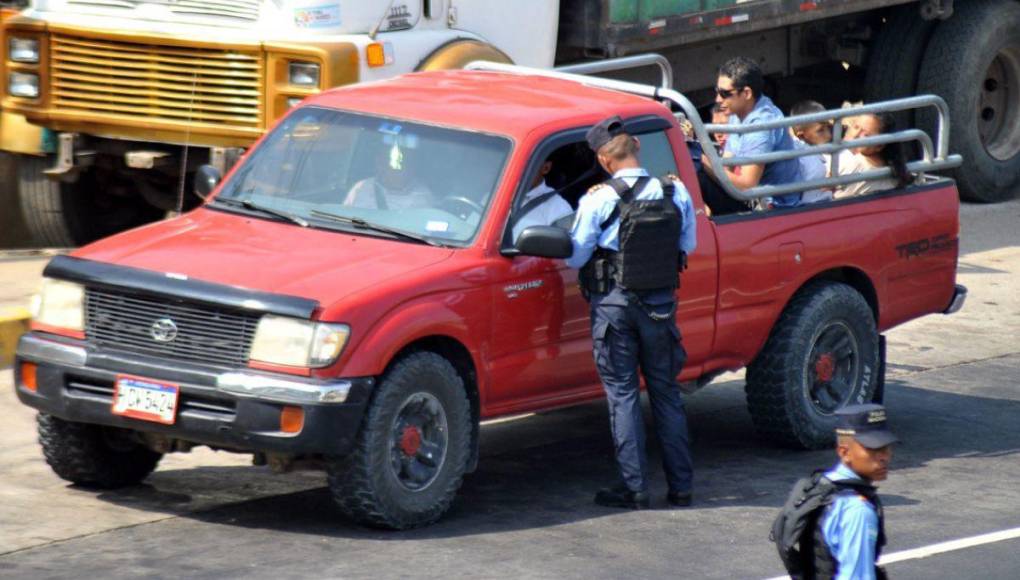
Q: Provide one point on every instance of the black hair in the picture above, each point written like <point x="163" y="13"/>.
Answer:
<point x="893" y="154"/>
<point x="806" y="107"/>
<point x="745" y="73"/>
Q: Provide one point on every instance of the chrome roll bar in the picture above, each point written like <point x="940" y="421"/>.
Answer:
<point x="626" y="62"/>
<point x="936" y="155"/>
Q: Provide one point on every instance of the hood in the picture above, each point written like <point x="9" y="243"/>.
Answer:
<point x="263" y="255"/>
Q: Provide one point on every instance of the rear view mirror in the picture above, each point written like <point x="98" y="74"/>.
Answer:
<point x="544" y="242"/>
<point x="207" y="178"/>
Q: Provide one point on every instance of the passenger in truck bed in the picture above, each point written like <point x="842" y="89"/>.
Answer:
<point x="864" y="159"/>
<point x="809" y="134"/>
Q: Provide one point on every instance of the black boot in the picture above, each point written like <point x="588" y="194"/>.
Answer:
<point x="679" y="498"/>
<point x="622" y="497"/>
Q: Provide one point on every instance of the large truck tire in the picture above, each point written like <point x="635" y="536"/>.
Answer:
<point x="93" y="455"/>
<point x="973" y="62"/>
<point x="822" y="354"/>
<point x="895" y="58"/>
<point x="413" y="448"/>
<point x="72" y="214"/>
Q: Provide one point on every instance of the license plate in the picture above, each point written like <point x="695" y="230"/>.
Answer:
<point x="145" y="399"/>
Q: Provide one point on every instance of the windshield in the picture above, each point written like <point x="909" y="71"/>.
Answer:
<point x="341" y="170"/>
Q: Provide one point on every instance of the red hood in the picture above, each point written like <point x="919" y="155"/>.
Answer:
<point x="264" y="255"/>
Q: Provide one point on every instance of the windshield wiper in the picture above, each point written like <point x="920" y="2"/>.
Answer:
<point x="358" y="222"/>
<point x="249" y="204"/>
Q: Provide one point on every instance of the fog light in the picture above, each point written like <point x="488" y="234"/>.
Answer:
<point x="28" y="376"/>
<point x="292" y="419"/>
<point x="23" y="50"/>
<point x="24" y="85"/>
<point x="304" y="74"/>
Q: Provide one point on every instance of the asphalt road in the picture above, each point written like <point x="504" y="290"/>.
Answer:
<point x="527" y="511"/>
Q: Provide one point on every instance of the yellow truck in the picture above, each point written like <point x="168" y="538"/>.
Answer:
<point x="111" y="105"/>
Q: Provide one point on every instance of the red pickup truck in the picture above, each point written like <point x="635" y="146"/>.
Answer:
<point x="351" y="294"/>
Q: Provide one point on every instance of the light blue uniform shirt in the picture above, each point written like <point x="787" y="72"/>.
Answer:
<point x="776" y="173"/>
<point x="850" y="528"/>
<point x="596" y="206"/>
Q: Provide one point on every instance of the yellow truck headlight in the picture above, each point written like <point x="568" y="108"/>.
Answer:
<point x="24" y="85"/>
<point x="60" y="304"/>
<point x="23" y="50"/>
<point x="303" y="74"/>
<point x="299" y="343"/>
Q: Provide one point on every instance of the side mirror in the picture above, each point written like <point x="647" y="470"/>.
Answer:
<point x="207" y="178"/>
<point x="544" y="242"/>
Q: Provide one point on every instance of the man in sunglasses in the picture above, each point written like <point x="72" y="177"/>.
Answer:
<point x="739" y="93"/>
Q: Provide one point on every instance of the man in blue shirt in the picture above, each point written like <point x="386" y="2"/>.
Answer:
<point x="739" y="94"/>
<point x="851" y="526"/>
<point x="633" y="323"/>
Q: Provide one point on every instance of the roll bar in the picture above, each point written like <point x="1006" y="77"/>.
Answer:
<point x="936" y="155"/>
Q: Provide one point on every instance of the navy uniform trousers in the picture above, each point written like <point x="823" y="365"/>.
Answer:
<point x="625" y="338"/>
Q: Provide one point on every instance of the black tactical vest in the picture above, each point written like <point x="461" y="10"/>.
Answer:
<point x="649" y="238"/>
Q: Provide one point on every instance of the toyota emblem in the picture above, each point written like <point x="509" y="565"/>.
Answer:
<point x="163" y="330"/>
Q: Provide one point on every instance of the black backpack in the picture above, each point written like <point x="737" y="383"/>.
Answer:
<point x="793" y="529"/>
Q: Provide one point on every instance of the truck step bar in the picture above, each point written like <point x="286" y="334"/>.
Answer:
<point x="936" y="154"/>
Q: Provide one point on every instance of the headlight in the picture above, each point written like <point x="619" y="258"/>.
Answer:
<point x="304" y="74"/>
<point x="298" y="343"/>
<point x="60" y="304"/>
<point x="23" y="85"/>
<point x="23" y="50"/>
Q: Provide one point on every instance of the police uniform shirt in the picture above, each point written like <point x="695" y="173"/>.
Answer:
<point x="850" y="528"/>
<point x="546" y="214"/>
<point x="597" y="205"/>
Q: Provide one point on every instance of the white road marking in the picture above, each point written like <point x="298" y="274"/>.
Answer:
<point x="942" y="547"/>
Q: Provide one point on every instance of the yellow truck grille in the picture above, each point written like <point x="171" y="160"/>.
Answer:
<point x="109" y="79"/>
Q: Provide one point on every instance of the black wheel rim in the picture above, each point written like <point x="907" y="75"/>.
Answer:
<point x="832" y="369"/>
<point x="418" y="441"/>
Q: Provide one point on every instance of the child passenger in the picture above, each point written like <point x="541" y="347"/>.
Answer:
<point x="819" y="133"/>
<point x="864" y="159"/>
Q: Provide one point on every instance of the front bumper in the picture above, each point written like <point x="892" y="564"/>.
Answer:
<point x="231" y="409"/>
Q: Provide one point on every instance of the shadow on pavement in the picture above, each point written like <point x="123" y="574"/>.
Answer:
<point x="542" y="472"/>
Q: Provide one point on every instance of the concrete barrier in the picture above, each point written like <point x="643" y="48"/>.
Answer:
<point x="13" y="323"/>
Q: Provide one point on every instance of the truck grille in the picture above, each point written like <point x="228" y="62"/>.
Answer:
<point x="204" y="334"/>
<point x="178" y="84"/>
<point x="247" y="10"/>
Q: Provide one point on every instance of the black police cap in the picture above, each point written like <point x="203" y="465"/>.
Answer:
<point x="604" y="132"/>
<point x="866" y="424"/>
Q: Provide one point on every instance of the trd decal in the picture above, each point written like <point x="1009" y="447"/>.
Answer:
<point x="935" y="245"/>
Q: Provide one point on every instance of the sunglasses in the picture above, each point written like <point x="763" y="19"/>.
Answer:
<point x="726" y="93"/>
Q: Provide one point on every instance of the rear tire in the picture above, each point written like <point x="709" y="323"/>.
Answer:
<point x="93" y="455"/>
<point x="823" y="354"/>
<point x="413" y="448"/>
<point x="973" y="62"/>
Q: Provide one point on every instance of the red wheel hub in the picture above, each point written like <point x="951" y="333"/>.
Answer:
<point x="825" y="367"/>
<point x="410" y="440"/>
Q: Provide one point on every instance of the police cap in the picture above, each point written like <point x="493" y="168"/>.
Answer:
<point x="866" y="424"/>
<point x="604" y="132"/>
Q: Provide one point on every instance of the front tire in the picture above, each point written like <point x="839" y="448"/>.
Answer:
<point x="412" y="450"/>
<point x="823" y="354"/>
<point x="93" y="455"/>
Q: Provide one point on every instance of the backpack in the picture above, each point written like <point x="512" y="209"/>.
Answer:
<point x="794" y="527"/>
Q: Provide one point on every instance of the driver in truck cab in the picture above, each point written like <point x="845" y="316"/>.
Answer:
<point x="394" y="184"/>
<point x="543" y="205"/>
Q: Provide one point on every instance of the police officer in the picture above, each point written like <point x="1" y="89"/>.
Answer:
<point x="850" y="532"/>
<point x="631" y="236"/>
